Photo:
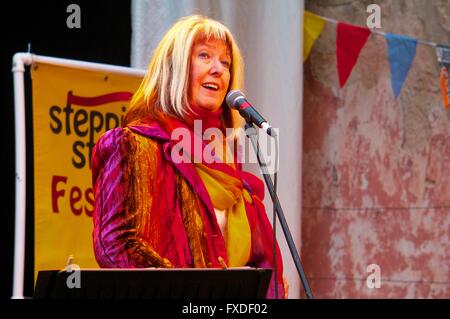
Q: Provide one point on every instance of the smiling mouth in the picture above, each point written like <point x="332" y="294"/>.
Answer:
<point x="211" y="86"/>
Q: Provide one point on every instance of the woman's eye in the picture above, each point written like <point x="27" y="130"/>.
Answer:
<point x="226" y="64"/>
<point x="203" y="55"/>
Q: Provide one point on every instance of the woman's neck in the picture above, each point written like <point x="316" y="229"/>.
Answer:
<point x="209" y="119"/>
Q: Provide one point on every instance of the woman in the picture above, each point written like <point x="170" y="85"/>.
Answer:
<point x="152" y="210"/>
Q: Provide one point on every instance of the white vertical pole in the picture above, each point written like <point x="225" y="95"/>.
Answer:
<point x="19" y="61"/>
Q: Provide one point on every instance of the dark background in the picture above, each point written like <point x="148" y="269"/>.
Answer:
<point x="104" y="37"/>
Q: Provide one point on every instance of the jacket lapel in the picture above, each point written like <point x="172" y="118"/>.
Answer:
<point x="153" y="129"/>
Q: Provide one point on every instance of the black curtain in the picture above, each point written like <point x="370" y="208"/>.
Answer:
<point x="104" y="36"/>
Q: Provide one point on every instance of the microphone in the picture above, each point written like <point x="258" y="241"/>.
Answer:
<point x="236" y="100"/>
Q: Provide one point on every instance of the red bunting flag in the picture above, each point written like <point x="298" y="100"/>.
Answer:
<point x="443" y="56"/>
<point x="445" y="86"/>
<point x="350" y="40"/>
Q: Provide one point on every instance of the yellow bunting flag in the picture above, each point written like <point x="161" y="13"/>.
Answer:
<point x="313" y="26"/>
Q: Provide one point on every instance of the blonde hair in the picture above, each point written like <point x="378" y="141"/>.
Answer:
<point x="164" y="89"/>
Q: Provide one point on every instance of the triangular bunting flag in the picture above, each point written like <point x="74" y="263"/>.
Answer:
<point x="350" y="40"/>
<point x="401" y="53"/>
<point x="313" y="26"/>
<point x="443" y="56"/>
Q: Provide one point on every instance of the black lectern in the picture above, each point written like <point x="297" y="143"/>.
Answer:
<point x="158" y="283"/>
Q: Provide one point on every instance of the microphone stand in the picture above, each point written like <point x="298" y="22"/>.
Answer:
<point x="279" y="210"/>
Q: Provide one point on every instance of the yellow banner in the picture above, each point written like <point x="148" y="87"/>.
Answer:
<point x="313" y="26"/>
<point x="72" y="108"/>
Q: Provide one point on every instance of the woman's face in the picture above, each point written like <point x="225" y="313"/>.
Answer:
<point x="209" y="74"/>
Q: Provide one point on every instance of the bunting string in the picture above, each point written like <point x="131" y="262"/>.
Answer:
<point x="401" y="51"/>
<point x="381" y="33"/>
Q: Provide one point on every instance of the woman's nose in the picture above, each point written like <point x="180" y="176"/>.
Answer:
<point x="217" y="67"/>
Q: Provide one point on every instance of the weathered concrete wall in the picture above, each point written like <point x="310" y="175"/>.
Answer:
<point x="376" y="170"/>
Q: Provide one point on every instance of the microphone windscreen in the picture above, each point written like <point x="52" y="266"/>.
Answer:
<point x="231" y="98"/>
